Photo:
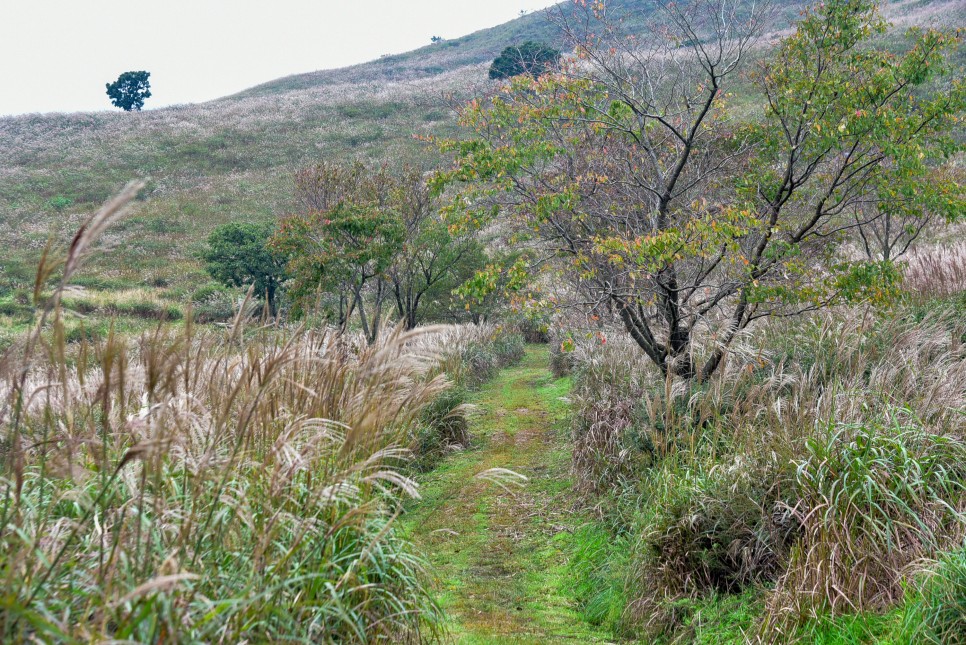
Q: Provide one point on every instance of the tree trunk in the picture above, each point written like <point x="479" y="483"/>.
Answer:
<point x="362" y="314"/>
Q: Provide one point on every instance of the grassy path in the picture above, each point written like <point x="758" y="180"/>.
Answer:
<point x="501" y="557"/>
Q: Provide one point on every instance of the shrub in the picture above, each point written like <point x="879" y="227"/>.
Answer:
<point x="213" y="304"/>
<point x="475" y="352"/>
<point x="82" y="333"/>
<point x="14" y="309"/>
<point x="469" y="356"/>
<point x="715" y="529"/>
<point x="60" y="202"/>
<point x="442" y="427"/>
<point x="529" y="58"/>
<point x="608" y="394"/>
<point x="508" y="347"/>
<point x="147" y="309"/>
<point x="561" y="352"/>
<point x="201" y="294"/>
<point x="534" y="326"/>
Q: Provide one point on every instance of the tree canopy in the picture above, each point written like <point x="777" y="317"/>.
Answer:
<point x="130" y="90"/>
<point x="238" y="255"/>
<point x="369" y="238"/>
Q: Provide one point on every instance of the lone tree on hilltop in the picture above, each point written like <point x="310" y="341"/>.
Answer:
<point x="529" y="58"/>
<point x="129" y="90"/>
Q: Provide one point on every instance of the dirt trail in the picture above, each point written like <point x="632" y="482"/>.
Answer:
<point x="501" y="557"/>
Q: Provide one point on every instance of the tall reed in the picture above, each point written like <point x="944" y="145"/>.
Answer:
<point x="202" y="486"/>
<point x="826" y="459"/>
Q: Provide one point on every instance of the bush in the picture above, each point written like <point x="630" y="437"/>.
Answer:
<point x="873" y="499"/>
<point x="60" y="202"/>
<point x="147" y="309"/>
<point x="716" y="529"/>
<point x="14" y="309"/>
<point x="529" y="58"/>
<point x="442" y="427"/>
<point x="508" y="347"/>
<point x="84" y="334"/>
<point x="470" y="356"/>
<point x="535" y="328"/>
<point x="561" y="355"/>
<point x="201" y="294"/>
<point x="214" y="304"/>
<point x="476" y="352"/>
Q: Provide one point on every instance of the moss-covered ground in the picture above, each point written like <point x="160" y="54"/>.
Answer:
<point x="501" y="555"/>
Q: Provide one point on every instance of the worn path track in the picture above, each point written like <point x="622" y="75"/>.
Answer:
<point x="501" y="556"/>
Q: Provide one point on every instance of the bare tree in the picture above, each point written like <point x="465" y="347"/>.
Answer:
<point x="885" y="233"/>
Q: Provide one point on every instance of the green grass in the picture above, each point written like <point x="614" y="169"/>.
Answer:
<point x="502" y="557"/>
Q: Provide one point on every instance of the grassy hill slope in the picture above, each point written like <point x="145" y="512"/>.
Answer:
<point x="233" y="158"/>
<point x="432" y="60"/>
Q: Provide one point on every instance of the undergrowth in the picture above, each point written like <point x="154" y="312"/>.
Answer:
<point x="197" y="485"/>
<point x="801" y="495"/>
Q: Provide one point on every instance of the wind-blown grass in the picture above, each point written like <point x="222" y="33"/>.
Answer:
<point x="818" y="472"/>
<point x="200" y="486"/>
<point x="197" y="489"/>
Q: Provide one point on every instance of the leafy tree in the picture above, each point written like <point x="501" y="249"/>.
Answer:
<point x="886" y="229"/>
<point x="496" y="286"/>
<point x="238" y="255"/>
<point x="529" y="58"/>
<point x="686" y="225"/>
<point x="434" y="260"/>
<point x="130" y="90"/>
<point x="371" y="238"/>
<point x="345" y="244"/>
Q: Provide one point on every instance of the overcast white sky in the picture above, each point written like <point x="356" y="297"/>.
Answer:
<point x="57" y="55"/>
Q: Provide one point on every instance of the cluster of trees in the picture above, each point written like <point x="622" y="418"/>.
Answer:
<point x="629" y="173"/>
<point x="633" y="168"/>
<point x="367" y="245"/>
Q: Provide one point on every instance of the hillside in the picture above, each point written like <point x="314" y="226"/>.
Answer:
<point x="469" y="50"/>
<point x="677" y="355"/>
<point x="232" y="158"/>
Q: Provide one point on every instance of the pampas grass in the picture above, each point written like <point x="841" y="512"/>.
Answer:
<point x="210" y="486"/>
<point x="826" y="459"/>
